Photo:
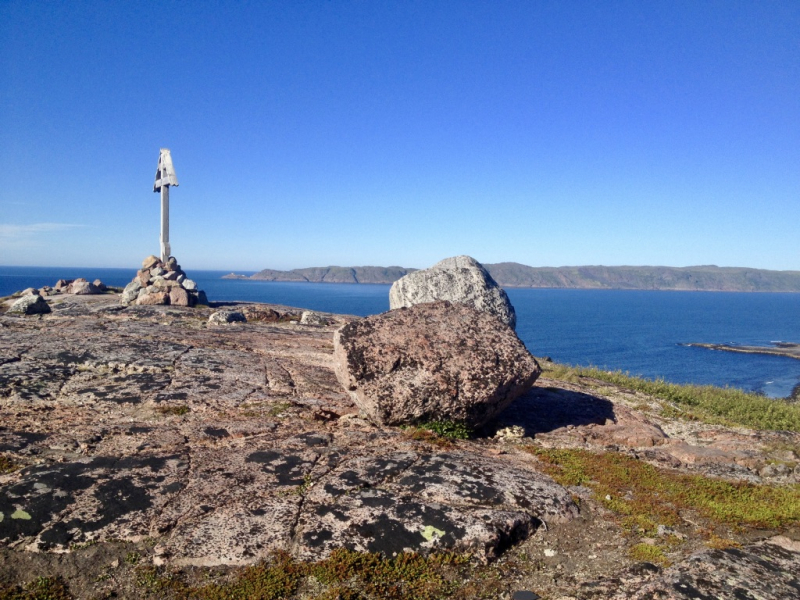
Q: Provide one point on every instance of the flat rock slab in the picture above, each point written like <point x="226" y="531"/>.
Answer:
<point x="768" y="571"/>
<point x="407" y="501"/>
<point x="436" y="361"/>
<point x="223" y="444"/>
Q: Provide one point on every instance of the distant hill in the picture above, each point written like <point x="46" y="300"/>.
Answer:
<point x="330" y="275"/>
<point x="703" y="278"/>
<point x="510" y="274"/>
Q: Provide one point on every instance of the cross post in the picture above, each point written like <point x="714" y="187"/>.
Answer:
<point x="165" y="177"/>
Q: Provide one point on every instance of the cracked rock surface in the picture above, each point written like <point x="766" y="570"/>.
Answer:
<point x="223" y="444"/>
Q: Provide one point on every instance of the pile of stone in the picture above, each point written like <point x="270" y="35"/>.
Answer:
<point x="160" y="282"/>
<point x="32" y="301"/>
<point x="79" y="287"/>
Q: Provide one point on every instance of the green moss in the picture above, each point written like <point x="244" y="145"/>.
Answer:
<point x="727" y="406"/>
<point x="645" y="496"/>
<point x="648" y="553"/>
<point x="7" y="465"/>
<point x="173" y="410"/>
<point x="345" y="575"/>
<point x="408" y="575"/>
<point x="274" y="580"/>
<point x="452" y="430"/>
<point x="41" y="588"/>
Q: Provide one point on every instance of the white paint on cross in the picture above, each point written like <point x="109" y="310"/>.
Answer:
<point x="165" y="177"/>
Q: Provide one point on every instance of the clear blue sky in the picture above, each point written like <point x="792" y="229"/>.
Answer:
<point x="399" y="133"/>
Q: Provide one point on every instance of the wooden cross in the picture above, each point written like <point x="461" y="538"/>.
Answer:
<point x="165" y="177"/>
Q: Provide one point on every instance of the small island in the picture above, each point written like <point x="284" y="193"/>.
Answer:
<point x="789" y="349"/>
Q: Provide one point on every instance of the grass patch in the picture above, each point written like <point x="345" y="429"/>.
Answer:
<point x="7" y="465"/>
<point x="726" y="406"/>
<point x="452" y="430"/>
<point x="438" y="433"/>
<point x="346" y="575"/>
<point x="649" y="553"/>
<point x="41" y="588"/>
<point x="418" y="434"/>
<point x="645" y="496"/>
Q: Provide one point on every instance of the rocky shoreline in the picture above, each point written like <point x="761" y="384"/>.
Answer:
<point x="146" y="445"/>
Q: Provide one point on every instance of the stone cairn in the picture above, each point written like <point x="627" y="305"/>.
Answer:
<point x="160" y="282"/>
<point x="31" y="301"/>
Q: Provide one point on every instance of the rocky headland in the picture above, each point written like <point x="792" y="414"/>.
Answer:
<point x="171" y="451"/>
<point x="510" y="274"/>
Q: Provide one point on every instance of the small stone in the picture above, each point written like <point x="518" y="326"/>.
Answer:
<point x="171" y="275"/>
<point x="514" y="432"/>
<point x="223" y="317"/>
<point x="99" y="285"/>
<point x="309" y="317"/>
<point x="549" y="553"/>
<point x="156" y="298"/>
<point x="261" y="313"/>
<point x="178" y="297"/>
<point x="131" y="292"/>
<point x="161" y="282"/>
<point x="29" y="292"/>
<point x="150" y="262"/>
<point x="189" y="284"/>
<point x="171" y="264"/>
<point x="32" y="304"/>
<point x="62" y="284"/>
<point x="774" y="470"/>
<point x="156" y="272"/>
<point x="83" y="288"/>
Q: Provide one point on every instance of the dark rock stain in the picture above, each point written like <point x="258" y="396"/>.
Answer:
<point x="289" y="469"/>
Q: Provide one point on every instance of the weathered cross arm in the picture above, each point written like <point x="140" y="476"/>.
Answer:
<point x="165" y="177"/>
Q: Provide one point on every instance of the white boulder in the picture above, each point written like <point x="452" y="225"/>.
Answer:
<point x="459" y="279"/>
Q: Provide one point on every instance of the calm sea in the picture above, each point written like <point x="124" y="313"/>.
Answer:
<point x="641" y="332"/>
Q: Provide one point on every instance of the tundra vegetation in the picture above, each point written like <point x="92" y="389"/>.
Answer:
<point x="707" y="403"/>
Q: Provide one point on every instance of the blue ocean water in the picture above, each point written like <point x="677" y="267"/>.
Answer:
<point x="641" y="332"/>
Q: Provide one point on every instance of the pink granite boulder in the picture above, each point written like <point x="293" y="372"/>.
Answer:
<point x="435" y="361"/>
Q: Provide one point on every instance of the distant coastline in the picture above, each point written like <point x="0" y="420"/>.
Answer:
<point x="709" y="278"/>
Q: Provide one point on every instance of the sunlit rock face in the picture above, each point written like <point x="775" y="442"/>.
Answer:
<point x="459" y="279"/>
<point x="433" y="361"/>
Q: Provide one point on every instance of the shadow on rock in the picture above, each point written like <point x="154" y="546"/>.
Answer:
<point x="545" y="409"/>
